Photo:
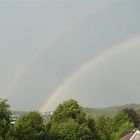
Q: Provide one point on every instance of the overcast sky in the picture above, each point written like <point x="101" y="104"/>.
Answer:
<point x="45" y="42"/>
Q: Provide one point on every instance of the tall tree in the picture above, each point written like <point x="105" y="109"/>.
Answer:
<point x="124" y="129"/>
<point x="92" y="126"/>
<point x="69" y="110"/>
<point x="133" y="115"/>
<point x="118" y="120"/>
<point x="30" y="127"/>
<point x="103" y="125"/>
<point x="69" y="122"/>
<point x="5" y="118"/>
<point x="70" y="130"/>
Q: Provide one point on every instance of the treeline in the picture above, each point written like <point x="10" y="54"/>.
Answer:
<point x="68" y="122"/>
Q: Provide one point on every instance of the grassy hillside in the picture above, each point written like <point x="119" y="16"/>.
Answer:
<point x="109" y="111"/>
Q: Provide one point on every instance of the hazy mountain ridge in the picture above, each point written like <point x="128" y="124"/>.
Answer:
<point x="106" y="111"/>
<point x="109" y="111"/>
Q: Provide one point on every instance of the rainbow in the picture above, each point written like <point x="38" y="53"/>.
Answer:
<point x="50" y="43"/>
<point x="130" y="42"/>
<point x="26" y="68"/>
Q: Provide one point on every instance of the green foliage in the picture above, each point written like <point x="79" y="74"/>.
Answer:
<point x="125" y="127"/>
<point x="69" y="122"/>
<point x="103" y="125"/>
<point x="109" y="111"/>
<point x="92" y="126"/>
<point x="112" y="128"/>
<point x="5" y="118"/>
<point x="30" y="126"/>
<point x="69" y="110"/>
<point x="11" y="134"/>
<point x="133" y="115"/>
<point x="70" y="130"/>
<point x="118" y="120"/>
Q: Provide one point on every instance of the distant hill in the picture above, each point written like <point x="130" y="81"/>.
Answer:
<point x="109" y="111"/>
<point x="17" y="114"/>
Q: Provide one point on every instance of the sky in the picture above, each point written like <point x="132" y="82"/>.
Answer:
<point x="53" y="50"/>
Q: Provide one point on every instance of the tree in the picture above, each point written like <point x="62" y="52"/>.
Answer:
<point x="103" y="125"/>
<point x="11" y="133"/>
<point x="30" y="127"/>
<point x="118" y="120"/>
<point x="133" y="115"/>
<point x="70" y="130"/>
<point x="69" y="110"/>
<point x="5" y="118"/>
<point x="68" y="122"/>
<point x="92" y="126"/>
<point x="124" y="129"/>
